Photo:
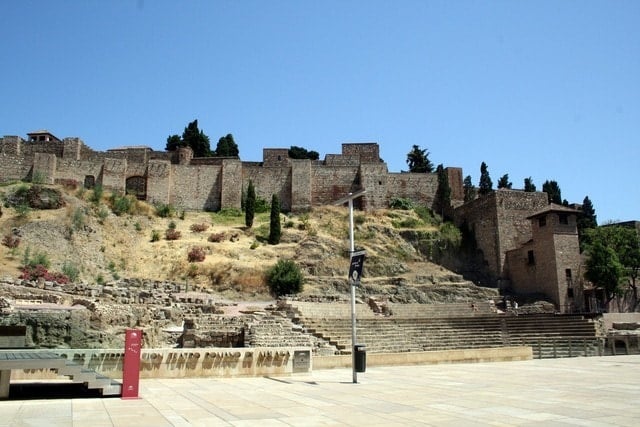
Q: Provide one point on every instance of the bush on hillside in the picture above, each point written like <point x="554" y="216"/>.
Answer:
<point x="284" y="278"/>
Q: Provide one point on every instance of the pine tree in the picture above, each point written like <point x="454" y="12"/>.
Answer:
<point x="227" y="147"/>
<point x="196" y="139"/>
<point x="529" y="186"/>
<point x="274" y="224"/>
<point x="486" y="185"/>
<point x="418" y="160"/>
<point x="469" y="190"/>
<point x="503" y="182"/>
<point x="553" y="192"/>
<point x="250" y="205"/>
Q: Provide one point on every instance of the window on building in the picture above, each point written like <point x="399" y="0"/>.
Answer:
<point x="563" y="218"/>
<point x="570" y="292"/>
<point x="531" y="260"/>
<point x="567" y="275"/>
<point x="542" y="221"/>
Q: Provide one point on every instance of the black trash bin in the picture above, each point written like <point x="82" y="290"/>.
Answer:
<point x="360" y="352"/>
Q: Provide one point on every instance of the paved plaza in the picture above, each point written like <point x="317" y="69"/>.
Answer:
<point x="594" y="391"/>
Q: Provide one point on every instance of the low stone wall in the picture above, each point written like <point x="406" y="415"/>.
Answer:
<point x="498" y="354"/>
<point x="244" y="362"/>
<point x="184" y="363"/>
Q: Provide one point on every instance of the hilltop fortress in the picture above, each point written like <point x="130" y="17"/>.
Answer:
<point x="526" y="245"/>
<point x="214" y="183"/>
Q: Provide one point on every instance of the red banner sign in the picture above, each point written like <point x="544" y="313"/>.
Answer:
<point x="131" y="363"/>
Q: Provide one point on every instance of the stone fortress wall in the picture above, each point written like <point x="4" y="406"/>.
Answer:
<point x="190" y="183"/>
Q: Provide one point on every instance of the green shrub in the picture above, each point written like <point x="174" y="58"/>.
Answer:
<point x="137" y="226"/>
<point x="172" y="225"/>
<point x="71" y="271"/>
<point x="78" y="219"/>
<point x="262" y="205"/>
<point x="155" y="235"/>
<point x="121" y="205"/>
<point x="400" y="203"/>
<point x="426" y="215"/>
<point x="103" y="213"/>
<point x="96" y="195"/>
<point x="38" y="178"/>
<point x="407" y="223"/>
<point x="284" y="278"/>
<point x="230" y="212"/>
<point x="165" y="210"/>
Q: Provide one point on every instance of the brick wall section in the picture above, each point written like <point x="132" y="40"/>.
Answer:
<point x="158" y="175"/>
<point x="419" y="187"/>
<point x="374" y="178"/>
<point x="269" y="181"/>
<point x="300" y="185"/>
<point x="456" y="184"/>
<point x="231" y="188"/>
<point x="332" y="183"/>
<point x="14" y="168"/>
<point x="366" y="152"/>
<point x="555" y="249"/>
<point x="275" y="157"/>
<point x="44" y="167"/>
<point x="113" y="174"/>
<point x="499" y="221"/>
<point x="196" y="187"/>
<point x="72" y="148"/>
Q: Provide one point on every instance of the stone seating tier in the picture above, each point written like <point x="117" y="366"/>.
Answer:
<point x="409" y="328"/>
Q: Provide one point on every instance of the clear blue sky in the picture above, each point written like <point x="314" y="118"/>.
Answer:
<point x="547" y="89"/>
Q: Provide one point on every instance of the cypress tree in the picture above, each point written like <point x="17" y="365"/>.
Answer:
<point x="486" y="185"/>
<point x="274" y="225"/>
<point x="443" y="193"/>
<point x="250" y="205"/>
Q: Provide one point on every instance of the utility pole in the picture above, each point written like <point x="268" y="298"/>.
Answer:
<point x="354" y="280"/>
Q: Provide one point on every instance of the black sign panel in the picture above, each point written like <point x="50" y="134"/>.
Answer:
<point x="355" y="269"/>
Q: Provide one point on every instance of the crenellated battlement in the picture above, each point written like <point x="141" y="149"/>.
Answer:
<point x="213" y="183"/>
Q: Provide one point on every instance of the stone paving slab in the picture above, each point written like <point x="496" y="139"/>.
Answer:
<point x="593" y="391"/>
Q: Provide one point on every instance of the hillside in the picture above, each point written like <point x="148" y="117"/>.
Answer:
<point x="86" y="238"/>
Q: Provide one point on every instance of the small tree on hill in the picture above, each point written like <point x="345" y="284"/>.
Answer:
<point x="274" y="224"/>
<point x="284" y="278"/>
<point x="503" y="182"/>
<point x="486" y="185"/>
<point x="418" y="160"/>
<point x="250" y="205"/>
<point x="553" y="192"/>
<point x="469" y="190"/>
<point x="529" y="186"/>
<point x="227" y="147"/>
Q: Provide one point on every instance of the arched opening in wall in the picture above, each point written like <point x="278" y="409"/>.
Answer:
<point x="137" y="186"/>
<point x="89" y="181"/>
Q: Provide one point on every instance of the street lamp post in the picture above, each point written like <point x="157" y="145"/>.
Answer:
<point x="349" y="198"/>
